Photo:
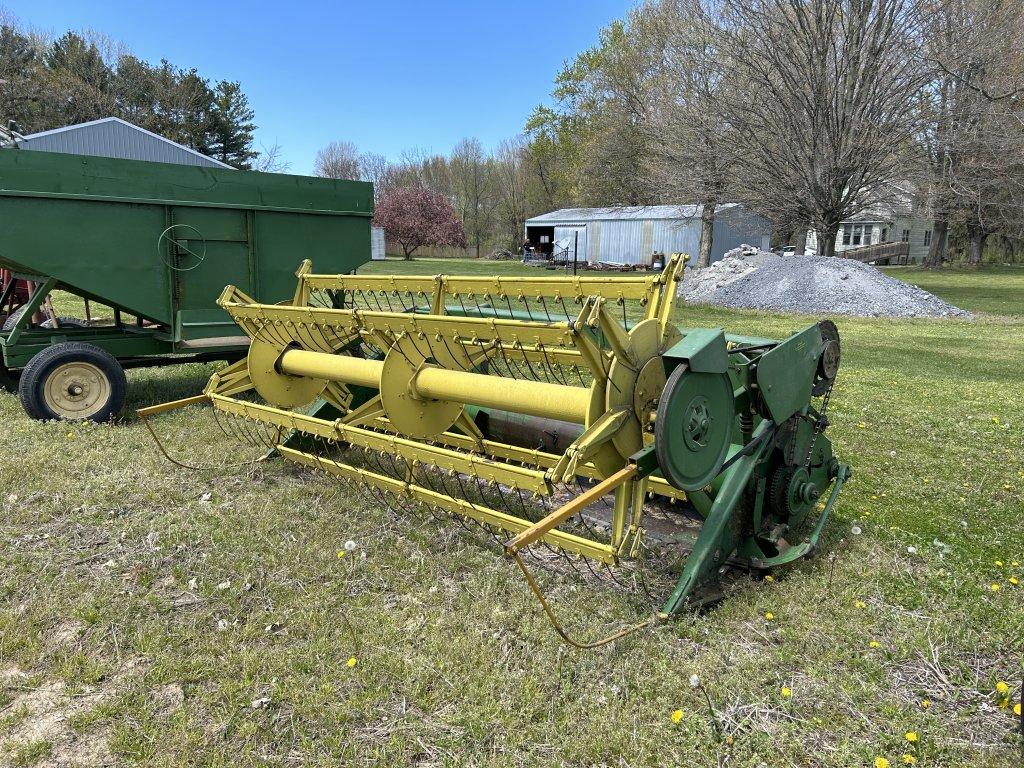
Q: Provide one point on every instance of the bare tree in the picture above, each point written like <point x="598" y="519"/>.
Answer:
<point x="974" y="123"/>
<point x="379" y="171"/>
<point x="828" y="110"/>
<point x="338" y="160"/>
<point x="270" y="160"/>
<point x="511" y="180"/>
<point x="472" y="187"/>
<point x="692" y="149"/>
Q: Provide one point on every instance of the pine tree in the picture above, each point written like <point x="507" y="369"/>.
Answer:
<point x="231" y="138"/>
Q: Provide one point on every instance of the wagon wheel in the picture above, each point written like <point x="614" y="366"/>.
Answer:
<point x="73" y="381"/>
<point x="175" y="240"/>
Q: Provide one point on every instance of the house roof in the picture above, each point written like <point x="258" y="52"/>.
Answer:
<point x="626" y="212"/>
<point x="30" y="138"/>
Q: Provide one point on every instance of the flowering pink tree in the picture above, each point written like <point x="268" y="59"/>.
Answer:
<point x="415" y="216"/>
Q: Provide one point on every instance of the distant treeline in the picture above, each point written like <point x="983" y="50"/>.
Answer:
<point x="49" y="83"/>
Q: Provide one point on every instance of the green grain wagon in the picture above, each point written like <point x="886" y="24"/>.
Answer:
<point x="156" y="244"/>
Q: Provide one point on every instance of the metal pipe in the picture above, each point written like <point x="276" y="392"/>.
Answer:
<point x="535" y="398"/>
<point x="344" y="368"/>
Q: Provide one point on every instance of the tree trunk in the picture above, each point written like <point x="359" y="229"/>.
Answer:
<point x="707" y="233"/>
<point x="799" y="241"/>
<point x="827" y="240"/>
<point x="977" y="238"/>
<point x="937" y="250"/>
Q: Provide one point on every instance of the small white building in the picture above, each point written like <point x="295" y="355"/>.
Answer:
<point x="635" y="234"/>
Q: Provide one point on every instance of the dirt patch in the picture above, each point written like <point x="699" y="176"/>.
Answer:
<point x="43" y="713"/>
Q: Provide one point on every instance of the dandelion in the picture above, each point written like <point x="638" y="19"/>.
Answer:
<point x="1016" y="709"/>
<point x="860" y="604"/>
<point x="911" y="550"/>
<point x="350" y="545"/>
<point x="1013" y="580"/>
<point x="911" y="736"/>
<point x="999" y="563"/>
<point x="787" y="692"/>
<point x="909" y="760"/>
<point x="925" y="703"/>
<point x="875" y="644"/>
<point x="770" y="616"/>
<point x="352" y="661"/>
<point x="994" y="587"/>
<point x="881" y="762"/>
<point x="71" y="435"/>
<point x="341" y="553"/>
<point x="769" y="579"/>
<point x="855" y="530"/>
<point x="1002" y="688"/>
<point x="861" y="425"/>
<point x="1015" y="564"/>
<point x="694" y="681"/>
<point x="677" y="716"/>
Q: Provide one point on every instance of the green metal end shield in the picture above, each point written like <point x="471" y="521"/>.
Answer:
<point x="694" y="427"/>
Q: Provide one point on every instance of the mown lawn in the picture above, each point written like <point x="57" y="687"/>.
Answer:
<point x="153" y="615"/>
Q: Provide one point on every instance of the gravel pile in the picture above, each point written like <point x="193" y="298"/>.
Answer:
<point x="747" y="277"/>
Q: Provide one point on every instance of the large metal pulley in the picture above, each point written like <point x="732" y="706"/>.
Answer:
<point x="694" y="427"/>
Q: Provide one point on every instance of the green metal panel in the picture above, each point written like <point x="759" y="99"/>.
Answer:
<point x="95" y="224"/>
<point x="216" y="253"/>
<point x="785" y="374"/>
<point x="703" y="349"/>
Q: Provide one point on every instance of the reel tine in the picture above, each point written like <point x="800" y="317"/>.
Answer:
<point x="216" y="418"/>
<point x="550" y="367"/>
<point x="546" y="312"/>
<point x="232" y="422"/>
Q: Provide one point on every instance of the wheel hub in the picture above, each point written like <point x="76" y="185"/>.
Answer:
<point x="698" y="423"/>
<point x="76" y="390"/>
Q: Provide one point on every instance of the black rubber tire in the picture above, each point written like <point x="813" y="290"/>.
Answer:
<point x="66" y="322"/>
<point x="13" y="318"/>
<point x="62" y="322"/>
<point x="39" y="368"/>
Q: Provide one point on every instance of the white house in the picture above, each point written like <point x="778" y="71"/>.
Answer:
<point x="901" y="217"/>
<point x="635" y="234"/>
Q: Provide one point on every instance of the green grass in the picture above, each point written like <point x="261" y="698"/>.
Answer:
<point x="101" y="539"/>
<point x="997" y="290"/>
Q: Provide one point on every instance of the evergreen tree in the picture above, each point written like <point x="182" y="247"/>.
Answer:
<point x="230" y="139"/>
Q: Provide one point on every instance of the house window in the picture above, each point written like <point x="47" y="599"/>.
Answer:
<point x="846" y="234"/>
<point x="905" y="236"/>
<point x="854" y="234"/>
<point x="885" y="235"/>
<point x="858" y="234"/>
<point x="927" y="237"/>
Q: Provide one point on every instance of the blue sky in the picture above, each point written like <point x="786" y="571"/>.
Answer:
<point x="387" y="75"/>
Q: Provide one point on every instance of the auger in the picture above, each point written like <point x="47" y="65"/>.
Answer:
<point x="520" y="404"/>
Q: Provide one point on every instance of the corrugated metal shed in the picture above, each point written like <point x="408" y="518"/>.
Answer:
<point x="114" y="137"/>
<point x="633" y="234"/>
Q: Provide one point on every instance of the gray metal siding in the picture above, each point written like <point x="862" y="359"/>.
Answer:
<point x="676" y="236"/>
<point x="635" y="240"/>
<point x="621" y="243"/>
<point x="115" y="139"/>
<point x="734" y="228"/>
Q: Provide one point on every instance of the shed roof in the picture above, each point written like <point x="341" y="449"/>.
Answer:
<point x="114" y="137"/>
<point x="626" y="212"/>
